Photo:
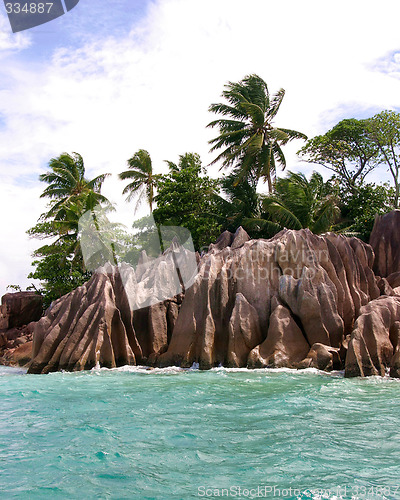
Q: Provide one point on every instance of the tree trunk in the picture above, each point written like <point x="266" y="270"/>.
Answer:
<point x="270" y="186"/>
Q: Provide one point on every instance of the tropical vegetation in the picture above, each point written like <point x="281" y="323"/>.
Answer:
<point x="142" y="181"/>
<point x="250" y="142"/>
<point x="59" y="265"/>
<point x="251" y="146"/>
<point x="188" y="197"/>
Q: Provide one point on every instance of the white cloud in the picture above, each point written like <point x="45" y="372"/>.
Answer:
<point x="152" y="89"/>
<point x="9" y="41"/>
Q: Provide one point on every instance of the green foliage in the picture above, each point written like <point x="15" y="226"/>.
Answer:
<point x="67" y="185"/>
<point x="251" y="145"/>
<point x="187" y="197"/>
<point x="359" y="209"/>
<point x="347" y="149"/>
<point x="242" y="206"/>
<point x="384" y="131"/>
<point x="57" y="272"/>
<point x="59" y="265"/>
<point x="143" y="182"/>
<point x="300" y="203"/>
<point x="146" y="237"/>
<point x="249" y="141"/>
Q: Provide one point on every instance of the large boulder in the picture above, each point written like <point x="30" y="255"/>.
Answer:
<point x="385" y="241"/>
<point x="19" y="309"/>
<point x="20" y="356"/>
<point x="244" y="332"/>
<point x="285" y="345"/>
<point x="322" y="357"/>
<point x="16" y="345"/>
<point x="89" y="326"/>
<point x="375" y="339"/>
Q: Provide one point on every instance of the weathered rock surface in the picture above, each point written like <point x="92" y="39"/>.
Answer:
<point x="296" y="300"/>
<point x="322" y="357"/>
<point x="19" y="309"/>
<point x="20" y="356"/>
<point x="18" y="312"/>
<point x="385" y="241"/>
<point x="244" y="332"/>
<point x="13" y="343"/>
<point x="321" y="282"/>
<point x="374" y="339"/>
<point x="117" y="318"/>
<point x="285" y="345"/>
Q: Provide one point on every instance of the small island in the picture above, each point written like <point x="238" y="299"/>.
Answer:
<point x="290" y="282"/>
<point x="297" y="300"/>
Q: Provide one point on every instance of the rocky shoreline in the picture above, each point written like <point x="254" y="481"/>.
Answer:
<point x="19" y="313"/>
<point x="296" y="300"/>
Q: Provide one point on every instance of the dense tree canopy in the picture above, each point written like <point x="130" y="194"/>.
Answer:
<point x="67" y="185"/>
<point x="347" y="149"/>
<point x="300" y="203"/>
<point x="384" y="130"/>
<point x="239" y="203"/>
<point x="359" y="209"/>
<point x="187" y="197"/>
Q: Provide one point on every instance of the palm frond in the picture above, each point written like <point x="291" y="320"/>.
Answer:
<point x="281" y="214"/>
<point x="275" y="103"/>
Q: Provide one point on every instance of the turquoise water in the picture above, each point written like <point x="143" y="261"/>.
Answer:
<point x="172" y="434"/>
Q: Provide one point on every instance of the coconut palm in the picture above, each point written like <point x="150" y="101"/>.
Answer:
<point x="239" y="202"/>
<point x="299" y="203"/>
<point x="71" y="197"/>
<point x="143" y="181"/>
<point x="68" y="185"/>
<point x="249" y="141"/>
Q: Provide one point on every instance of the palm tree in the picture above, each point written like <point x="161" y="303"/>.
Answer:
<point x="60" y="266"/>
<point x="240" y="203"/>
<point x="299" y="203"/>
<point x="143" y="180"/>
<point x="249" y="141"/>
<point x="72" y="196"/>
<point x="68" y="185"/>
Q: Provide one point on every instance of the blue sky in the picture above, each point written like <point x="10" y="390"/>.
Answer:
<point x="106" y="81"/>
<point x="90" y="19"/>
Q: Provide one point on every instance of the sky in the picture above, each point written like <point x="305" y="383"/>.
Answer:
<point x="109" y="78"/>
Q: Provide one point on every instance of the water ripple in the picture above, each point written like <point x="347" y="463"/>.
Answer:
<point x="164" y="433"/>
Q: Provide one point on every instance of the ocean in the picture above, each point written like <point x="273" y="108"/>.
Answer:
<point x="133" y="433"/>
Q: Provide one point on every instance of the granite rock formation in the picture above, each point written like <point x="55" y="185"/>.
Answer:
<point x="18" y="314"/>
<point x="385" y="241"/>
<point x="121" y="316"/>
<point x="296" y="300"/>
<point x="301" y="289"/>
<point x="19" y="309"/>
<point x="15" y="341"/>
<point x="374" y="342"/>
